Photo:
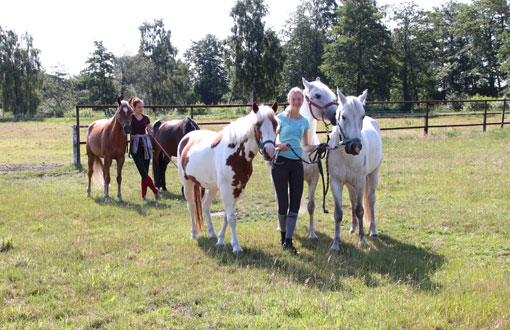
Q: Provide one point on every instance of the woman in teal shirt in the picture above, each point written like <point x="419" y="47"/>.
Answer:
<point x="287" y="172"/>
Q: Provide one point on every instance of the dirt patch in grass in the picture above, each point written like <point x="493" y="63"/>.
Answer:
<point x="28" y="167"/>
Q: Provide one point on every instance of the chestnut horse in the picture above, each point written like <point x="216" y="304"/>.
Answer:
<point x="223" y="161"/>
<point x="167" y="133"/>
<point x="106" y="141"/>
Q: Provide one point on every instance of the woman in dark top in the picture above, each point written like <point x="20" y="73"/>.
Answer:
<point x="140" y="145"/>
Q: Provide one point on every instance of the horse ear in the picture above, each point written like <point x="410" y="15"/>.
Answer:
<point x="318" y="79"/>
<point x="118" y="100"/>
<point x="341" y="96"/>
<point x="306" y="84"/>
<point x="255" y="107"/>
<point x="275" y="106"/>
<point x="363" y="97"/>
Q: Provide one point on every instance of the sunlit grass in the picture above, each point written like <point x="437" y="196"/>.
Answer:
<point x="442" y="260"/>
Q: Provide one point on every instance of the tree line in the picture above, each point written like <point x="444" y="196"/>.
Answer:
<point x="455" y="51"/>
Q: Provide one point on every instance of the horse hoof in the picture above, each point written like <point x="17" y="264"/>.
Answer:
<point x="88" y="195"/>
<point x="220" y="243"/>
<point x="334" y="247"/>
<point x="374" y="234"/>
<point x="363" y="243"/>
<point x="238" y="253"/>
<point x="212" y="235"/>
<point x="107" y="200"/>
<point x="352" y="231"/>
<point x="313" y="237"/>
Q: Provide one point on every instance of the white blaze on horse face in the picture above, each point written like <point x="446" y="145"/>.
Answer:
<point x="125" y="109"/>
<point x="267" y="130"/>
<point x="352" y="114"/>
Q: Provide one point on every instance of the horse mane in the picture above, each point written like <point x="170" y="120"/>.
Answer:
<point x="243" y="128"/>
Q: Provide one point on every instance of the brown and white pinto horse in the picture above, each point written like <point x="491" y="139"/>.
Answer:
<point x="223" y="161"/>
<point x="167" y="135"/>
<point x="106" y="141"/>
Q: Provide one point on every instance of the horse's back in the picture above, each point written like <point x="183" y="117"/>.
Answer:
<point x="170" y="132"/>
<point x="373" y="143"/>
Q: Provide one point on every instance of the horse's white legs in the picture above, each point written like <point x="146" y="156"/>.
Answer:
<point x="221" y="235"/>
<point x="188" y="193"/>
<point x="206" y="206"/>
<point x="229" y="202"/>
<point x="336" y="189"/>
<point x="312" y="185"/>
<point x="369" y="200"/>
<point x="360" y="213"/>
<point x="352" y="198"/>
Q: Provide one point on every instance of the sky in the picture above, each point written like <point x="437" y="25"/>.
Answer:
<point x="65" y="30"/>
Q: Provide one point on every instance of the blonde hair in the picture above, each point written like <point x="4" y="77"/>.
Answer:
<point x="293" y="90"/>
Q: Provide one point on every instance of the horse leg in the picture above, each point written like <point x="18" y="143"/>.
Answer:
<point x="162" y="172"/>
<point x="90" y="172"/>
<point x="369" y="200"/>
<point x="229" y="202"/>
<point x="360" y="212"/>
<point x="221" y="235"/>
<point x="120" y="163"/>
<point x="107" y="178"/>
<point x="352" y="198"/>
<point x="188" y="193"/>
<point x="269" y="166"/>
<point x="336" y="189"/>
<point x="155" y="167"/>
<point x="312" y="186"/>
<point x="206" y="206"/>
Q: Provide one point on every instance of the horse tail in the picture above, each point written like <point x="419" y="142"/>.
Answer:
<point x="191" y="125"/>
<point x="97" y="165"/>
<point x="197" y="198"/>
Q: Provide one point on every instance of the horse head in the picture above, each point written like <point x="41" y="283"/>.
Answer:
<point x="321" y="101"/>
<point x="124" y="114"/>
<point x="265" y="129"/>
<point x="350" y="121"/>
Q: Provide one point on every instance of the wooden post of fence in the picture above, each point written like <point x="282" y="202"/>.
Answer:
<point x="485" y="116"/>
<point x="426" y="129"/>
<point x="76" y="139"/>
<point x="191" y="112"/>
<point x="503" y="115"/>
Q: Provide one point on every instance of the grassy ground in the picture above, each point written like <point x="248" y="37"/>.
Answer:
<point x="442" y="260"/>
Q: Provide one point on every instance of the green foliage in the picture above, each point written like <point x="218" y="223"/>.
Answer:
<point x="168" y="81"/>
<point x="208" y="75"/>
<point x="253" y="55"/>
<point x="361" y="55"/>
<point x="20" y="74"/>
<point x="98" y="77"/>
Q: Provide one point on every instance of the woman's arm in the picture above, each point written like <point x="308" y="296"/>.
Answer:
<point x="149" y="129"/>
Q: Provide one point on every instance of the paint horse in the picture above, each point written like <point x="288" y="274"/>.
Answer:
<point x="167" y="135"/>
<point x="319" y="104"/>
<point x="223" y="161"/>
<point x="354" y="159"/>
<point x="106" y="141"/>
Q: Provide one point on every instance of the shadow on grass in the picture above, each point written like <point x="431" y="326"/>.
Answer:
<point x="387" y="260"/>
<point x="139" y="208"/>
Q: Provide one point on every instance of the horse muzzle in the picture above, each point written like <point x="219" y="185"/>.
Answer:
<point x="127" y="129"/>
<point x="353" y="148"/>
<point x="268" y="152"/>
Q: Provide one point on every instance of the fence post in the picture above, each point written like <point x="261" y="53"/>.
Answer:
<point x="485" y="116"/>
<point x="426" y="129"/>
<point x="191" y="112"/>
<point x="76" y="139"/>
<point x="503" y="115"/>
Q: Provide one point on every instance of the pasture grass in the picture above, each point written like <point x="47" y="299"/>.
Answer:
<point x="441" y="260"/>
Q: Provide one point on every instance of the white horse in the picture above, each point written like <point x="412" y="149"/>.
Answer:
<point x="223" y="161"/>
<point x="354" y="159"/>
<point x="319" y="104"/>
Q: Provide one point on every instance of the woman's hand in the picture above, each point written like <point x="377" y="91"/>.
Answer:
<point x="149" y="129"/>
<point x="282" y="146"/>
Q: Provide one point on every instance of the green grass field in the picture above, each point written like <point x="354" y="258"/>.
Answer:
<point x="442" y="260"/>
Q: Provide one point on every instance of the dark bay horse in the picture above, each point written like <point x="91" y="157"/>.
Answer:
<point x="106" y="141"/>
<point x="167" y="133"/>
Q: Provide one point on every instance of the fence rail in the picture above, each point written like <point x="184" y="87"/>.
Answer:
<point x="426" y="116"/>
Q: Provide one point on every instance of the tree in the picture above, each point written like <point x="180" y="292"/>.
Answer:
<point x="208" y="75"/>
<point x="20" y="74"/>
<point x="58" y="93"/>
<point x="132" y="75"/>
<point x="414" y="44"/>
<point x="252" y="55"/>
<point x="99" y="76"/>
<point x="168" y="81"/>
<point x="361" y="53"/>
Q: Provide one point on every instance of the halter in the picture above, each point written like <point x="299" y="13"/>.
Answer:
<point x="260" y="145"/>
<point x="310" y="103"/>
<point x="343" y="138"/>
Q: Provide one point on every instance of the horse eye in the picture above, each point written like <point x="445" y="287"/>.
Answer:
<point x="317" y="96"/>
<point x="343" y="118"/>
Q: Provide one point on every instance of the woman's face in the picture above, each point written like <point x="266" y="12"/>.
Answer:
<point x="138" y="108"/>
<point x="296" y="100"/>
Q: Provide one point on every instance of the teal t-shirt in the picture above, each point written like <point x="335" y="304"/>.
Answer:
<point x="291" y="132"/>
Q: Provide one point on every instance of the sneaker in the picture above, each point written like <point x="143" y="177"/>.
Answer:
<point x="289" y="246"/>
<point x="157" y="196"/>
<point x="144" y="198"/>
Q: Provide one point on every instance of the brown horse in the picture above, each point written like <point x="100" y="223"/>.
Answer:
<point x="168" y="134"/>
<point x="106" y="141"/>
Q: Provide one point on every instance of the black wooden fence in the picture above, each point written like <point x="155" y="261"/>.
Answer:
<point x="425" y="116"/>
